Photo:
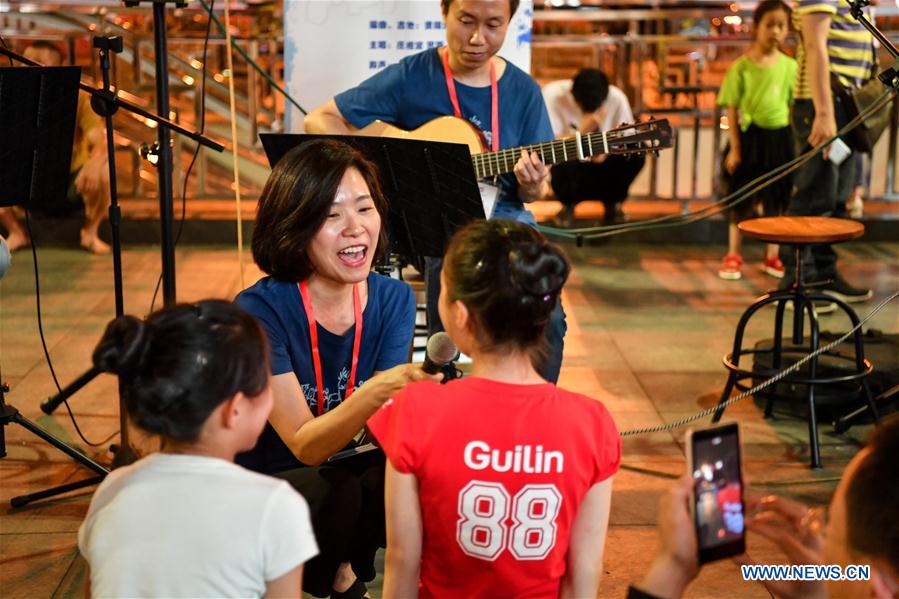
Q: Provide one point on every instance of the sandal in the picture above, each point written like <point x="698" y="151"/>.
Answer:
<point x="357" y="590"/>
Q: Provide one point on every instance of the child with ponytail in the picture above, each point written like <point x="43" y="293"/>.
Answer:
<point x="498" y="484"/>
<point x="187" y="521"/>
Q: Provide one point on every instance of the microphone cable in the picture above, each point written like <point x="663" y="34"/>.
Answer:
<point x="40" y="328"/>
<point x="764" y="384"/>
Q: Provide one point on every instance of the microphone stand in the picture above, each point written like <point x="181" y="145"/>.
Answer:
<point x="890" y="75"/>
<point x="105" y="103"/>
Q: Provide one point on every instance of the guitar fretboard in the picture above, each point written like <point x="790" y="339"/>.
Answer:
<point x="491" y="164"/>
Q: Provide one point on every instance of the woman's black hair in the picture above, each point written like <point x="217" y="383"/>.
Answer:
<point x="296" y="201"/>
<point x="509" y="277"/>
<point x="183" y="362"/>
<point x="766" y="6"/>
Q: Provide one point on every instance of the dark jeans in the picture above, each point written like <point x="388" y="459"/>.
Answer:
<point x="608" y="181"/>
<point x="820" y="187"/>
<point x="346" y="506"/>
<point x="555" y="329"/>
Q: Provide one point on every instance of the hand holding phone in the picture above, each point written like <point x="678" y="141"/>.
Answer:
<point x="677" y="560"/>
<point x="716" y="501"/>
<point x="838" y="151"/>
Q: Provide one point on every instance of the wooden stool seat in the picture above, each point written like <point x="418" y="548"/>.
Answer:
<point x="801" y="230"/>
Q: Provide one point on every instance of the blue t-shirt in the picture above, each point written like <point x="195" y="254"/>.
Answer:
<point x="413" y="92"/>
<point x="388" y="322"/>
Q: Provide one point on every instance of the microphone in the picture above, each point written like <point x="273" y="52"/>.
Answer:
<point x="440" y="351"/>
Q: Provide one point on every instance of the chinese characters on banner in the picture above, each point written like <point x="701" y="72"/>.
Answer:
<point x="334" y="45"/>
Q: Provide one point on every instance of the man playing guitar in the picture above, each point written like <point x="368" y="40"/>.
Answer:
<point x="465" y="78"/>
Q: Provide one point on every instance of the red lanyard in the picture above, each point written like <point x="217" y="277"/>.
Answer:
<point x="316" y="355"/>
<point x="494" y="97"/>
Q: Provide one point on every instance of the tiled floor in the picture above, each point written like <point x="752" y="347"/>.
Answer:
<point x="647" y="329"/>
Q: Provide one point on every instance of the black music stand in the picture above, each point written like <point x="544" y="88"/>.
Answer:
<point x="37" y="116"/>
<point x="430" y="187"/>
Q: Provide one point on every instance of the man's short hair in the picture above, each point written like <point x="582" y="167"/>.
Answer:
<point x="590" y="89"/>
<point x="445" y="4"/>
<point x="872" y="497"/>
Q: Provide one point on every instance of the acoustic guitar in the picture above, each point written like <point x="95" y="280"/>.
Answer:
<point x="647" y="136"/>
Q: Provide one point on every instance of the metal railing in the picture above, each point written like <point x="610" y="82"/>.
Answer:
<point x="670" y="76"/>
<point x="678" y="77"/>
<point x="133" y="72"/>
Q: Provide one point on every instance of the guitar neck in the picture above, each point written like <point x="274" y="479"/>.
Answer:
<point x="579" y="147"/>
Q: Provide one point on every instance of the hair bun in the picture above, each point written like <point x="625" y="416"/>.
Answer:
<point x="538" y="268"/>
<point x="124" y="346"/>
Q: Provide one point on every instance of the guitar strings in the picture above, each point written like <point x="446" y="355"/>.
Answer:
<point x="488" y="164"/>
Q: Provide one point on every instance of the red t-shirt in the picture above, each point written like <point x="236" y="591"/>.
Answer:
<point x="502" y="469"/>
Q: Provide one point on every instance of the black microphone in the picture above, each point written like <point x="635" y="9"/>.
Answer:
<point x="440" y="351"/>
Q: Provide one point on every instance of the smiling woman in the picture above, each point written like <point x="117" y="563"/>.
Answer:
<point x="332" y="325"/>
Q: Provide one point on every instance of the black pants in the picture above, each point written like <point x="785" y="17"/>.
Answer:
<point x="608" y="181"/>
<point x="346" y="505"/>
<point x="820" y="185"/>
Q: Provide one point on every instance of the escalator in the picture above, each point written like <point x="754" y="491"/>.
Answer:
<point x="133" y="75"/>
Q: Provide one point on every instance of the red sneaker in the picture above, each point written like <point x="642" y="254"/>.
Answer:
<point x="774" y="267"/>
<point x="730" y="267"/>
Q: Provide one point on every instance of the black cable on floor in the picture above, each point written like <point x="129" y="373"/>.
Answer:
<point x="40" y="328"/>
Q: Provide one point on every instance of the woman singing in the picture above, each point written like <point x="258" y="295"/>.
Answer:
<point x="340" y="338"/>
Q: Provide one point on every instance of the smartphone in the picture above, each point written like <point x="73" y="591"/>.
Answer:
<point x="838" y="152"/>
<point x="713" y="460"/>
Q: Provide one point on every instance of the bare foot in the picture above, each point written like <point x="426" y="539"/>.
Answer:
<point x="17" y="241"/>
<point x="93" y="243"/>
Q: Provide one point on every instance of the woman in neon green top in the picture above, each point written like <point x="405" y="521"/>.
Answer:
<point x="757" y="92"/>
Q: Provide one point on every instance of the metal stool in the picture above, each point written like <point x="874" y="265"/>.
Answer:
<point x="799" y="232"/>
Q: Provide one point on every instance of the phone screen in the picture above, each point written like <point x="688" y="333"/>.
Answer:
<point x="717" y="492"/>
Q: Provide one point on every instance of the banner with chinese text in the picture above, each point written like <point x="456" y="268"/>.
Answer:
<point x="330" y="46"/>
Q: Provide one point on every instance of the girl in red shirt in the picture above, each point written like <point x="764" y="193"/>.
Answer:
<point x="498" y="484"/>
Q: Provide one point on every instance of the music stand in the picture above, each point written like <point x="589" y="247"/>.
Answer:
<point x="37" y="117"/>
<point x="37" y="111"/>
<point x="430" y="187"/>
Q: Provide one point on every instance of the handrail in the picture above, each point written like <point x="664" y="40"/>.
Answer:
<point x="689" y="99"/>
<point x="681" y="95"/>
